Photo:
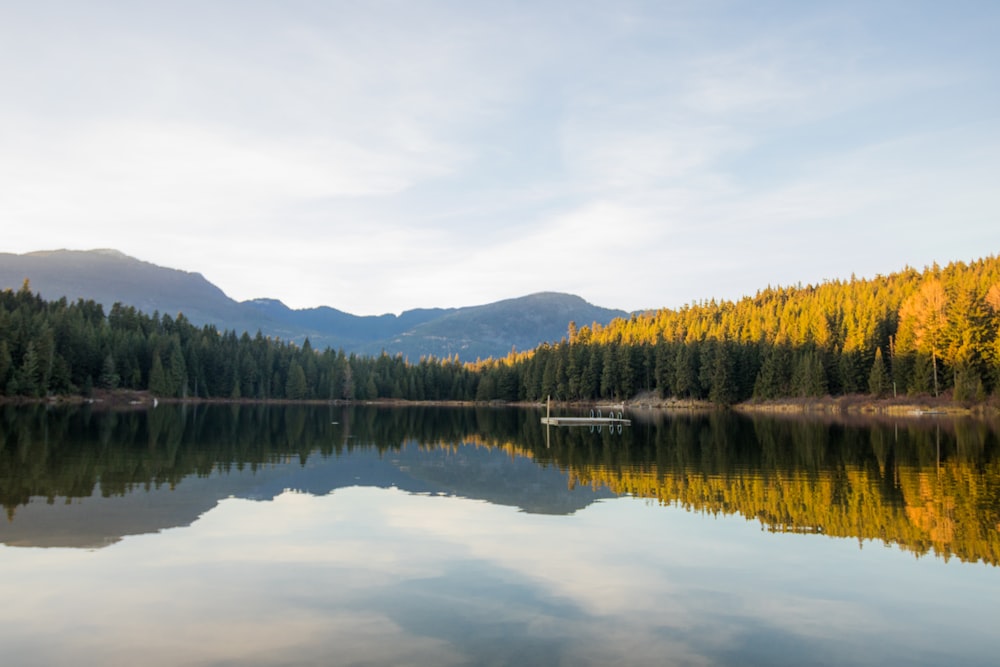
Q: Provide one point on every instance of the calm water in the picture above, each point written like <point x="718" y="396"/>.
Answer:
<point x="251" y="535"/>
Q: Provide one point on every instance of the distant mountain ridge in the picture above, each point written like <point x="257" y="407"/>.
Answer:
<point x="352" y="330"/>
<point x="109" y="276"/>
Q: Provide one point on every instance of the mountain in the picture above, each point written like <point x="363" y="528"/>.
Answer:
<point x="336" y="328"/>
<point x="493" y="329"/>
<point x="109" y="276"/>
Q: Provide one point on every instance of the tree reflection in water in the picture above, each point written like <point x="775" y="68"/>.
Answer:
<point x="927" y="486"/>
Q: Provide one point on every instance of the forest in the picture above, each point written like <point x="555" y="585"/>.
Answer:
<point x="929" y="332"/>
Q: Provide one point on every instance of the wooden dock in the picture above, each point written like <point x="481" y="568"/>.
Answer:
<point x="584" y="421"/>
<point x="597" y="419"/>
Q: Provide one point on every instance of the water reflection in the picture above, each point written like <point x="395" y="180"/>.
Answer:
<point x="472" y="537"/>
<point x="926" y="486"/>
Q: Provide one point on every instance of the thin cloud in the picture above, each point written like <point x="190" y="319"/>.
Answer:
<point x="388" y="156"/>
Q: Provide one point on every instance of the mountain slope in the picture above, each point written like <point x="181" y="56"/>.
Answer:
<point x="108" y="276"/>
<point x="337" y="328"/>
<point x="493" y="329"/>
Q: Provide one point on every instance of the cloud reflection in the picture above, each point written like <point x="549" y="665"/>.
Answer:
<point x="374" y="576"/>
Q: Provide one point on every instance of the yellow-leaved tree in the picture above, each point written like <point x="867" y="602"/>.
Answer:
<point x="922" y="322"/>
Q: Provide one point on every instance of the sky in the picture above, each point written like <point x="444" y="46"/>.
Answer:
<point x="381" y="156"/>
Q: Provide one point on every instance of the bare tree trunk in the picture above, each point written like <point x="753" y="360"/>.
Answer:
<point x="934" y="365"/>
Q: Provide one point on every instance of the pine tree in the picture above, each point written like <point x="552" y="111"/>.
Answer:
<point x="109" y="377"/>
<point x="664" y="372"/>
<point x="296" y="388"/>
<point x="774" y="377"/>
<point x="29" y="381"/>
<point x="158" y="383"/>
<point x="968" y="384"/>
<point x="549" y="381"/>
<point x="347" y="383"/>
<point x="6" y="362"/>
<point x="723" y="388"/>
<point x="879" y="383"/>
<point x="686" y="372"/>
<point x="590" y="382"/>
<point x="809" y="375"/>
<point x="177" y="370"/>
<point x="609" y="373"/>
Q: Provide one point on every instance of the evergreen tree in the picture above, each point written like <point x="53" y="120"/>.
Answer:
<point x="723" y="389"/>
<point x="627" y="361"/>
<point x="590" y="382"/>
<point x="6" y="363"/>
<point x="109" y="377"/>
<point x="176" y="370"/>
<point x="879" y="383"/>
<point x="347" y="382"/>
<point x="549" y="382"/>
<point x="609" y="373"/>
<point x="774" y="374"/>
<point x="296" y="389"/>
<point x="965" y="335"/>
<point x="922" y="320"/>
<point x="922" y="375"/>
<point x="664" y="372"/>
<point x="158" y="383"/>
<point x="849" y="369"/>
<point x="29" y="379"/>
<point x="809" y="374"/>
<point x="505" y="384"/>
<point x="686" y="372"/>
<point x="486" y="391"/>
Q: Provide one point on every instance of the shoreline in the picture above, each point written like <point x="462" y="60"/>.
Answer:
<point x="850" y="405"/>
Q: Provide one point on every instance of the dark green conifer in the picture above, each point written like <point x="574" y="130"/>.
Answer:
<point x="879" y="383"/>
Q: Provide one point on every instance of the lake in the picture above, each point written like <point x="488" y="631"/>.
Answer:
<point x="332" y="535"/>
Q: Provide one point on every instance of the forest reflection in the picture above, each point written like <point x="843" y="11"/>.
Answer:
<point x="927" y="486"/>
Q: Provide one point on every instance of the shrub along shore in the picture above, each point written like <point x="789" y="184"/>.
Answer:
<point x="847" y="406"/>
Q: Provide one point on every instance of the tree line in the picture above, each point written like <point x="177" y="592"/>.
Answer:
<point x="913" y="332"/>
<point x="62" y="347"/>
